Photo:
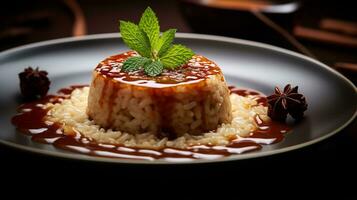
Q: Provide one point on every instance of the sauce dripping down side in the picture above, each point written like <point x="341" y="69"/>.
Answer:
<point x="31" y="121"/>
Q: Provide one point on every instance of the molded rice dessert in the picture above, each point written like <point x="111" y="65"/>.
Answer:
<point x="191" y="100"/>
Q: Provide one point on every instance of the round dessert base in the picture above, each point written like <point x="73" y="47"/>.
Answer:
<point x="244" y="111"/>
<point x="191" y="99"/>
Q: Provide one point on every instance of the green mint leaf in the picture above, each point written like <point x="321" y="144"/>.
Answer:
<point x="156" y="50"/>
<point x="135" y="38"/>
<point x="150" y="25"/>
<point x="165" y="41"/>
<point x="176" y="56"/>
<point x="135" y="63"/>
<point x="153" y="69"/>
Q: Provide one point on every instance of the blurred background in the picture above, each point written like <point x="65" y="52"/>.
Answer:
<point x="323" y="29"/>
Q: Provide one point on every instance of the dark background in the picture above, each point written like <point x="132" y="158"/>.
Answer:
<point x="23" y="22"/>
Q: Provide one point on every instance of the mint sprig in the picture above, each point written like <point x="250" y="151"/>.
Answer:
<point x="135" y="38"/>
<point x="165" y="41"/>
<point x="154" y="68"/>
<point x="149" y="24"/>
<point x="135" y="63"/>
<point x="156" y="50"/>
<point x="176" y="55"/>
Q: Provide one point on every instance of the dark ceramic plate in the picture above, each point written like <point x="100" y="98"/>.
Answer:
<point x="331" y="97"/>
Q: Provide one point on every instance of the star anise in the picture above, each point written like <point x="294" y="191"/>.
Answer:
<point x="285" y="102"/>
<point x="34" y="83"/>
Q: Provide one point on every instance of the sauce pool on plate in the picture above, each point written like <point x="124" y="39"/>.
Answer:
<point x="31" y="121"/>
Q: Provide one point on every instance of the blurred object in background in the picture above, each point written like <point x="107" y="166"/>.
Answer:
<point x="103" y="15"/>
<point x="23" y="21"/>
<point x="235" y="18"/>
<point x="327" y="27"/>
<point x="79" y="27"/>
<point x="30" y="21"/>
<point x="322" y="29"/>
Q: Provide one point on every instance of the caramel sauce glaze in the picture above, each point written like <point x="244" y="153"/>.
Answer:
<point x="31" y="121"/>
<point x="196" y="69"/>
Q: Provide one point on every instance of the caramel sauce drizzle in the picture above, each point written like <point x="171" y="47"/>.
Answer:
<point x="31" y="121"/>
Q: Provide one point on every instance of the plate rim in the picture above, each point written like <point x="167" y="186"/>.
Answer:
<point x="81" y="157"/>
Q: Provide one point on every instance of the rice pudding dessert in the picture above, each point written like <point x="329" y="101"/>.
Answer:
<point x="192" y="100"/>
